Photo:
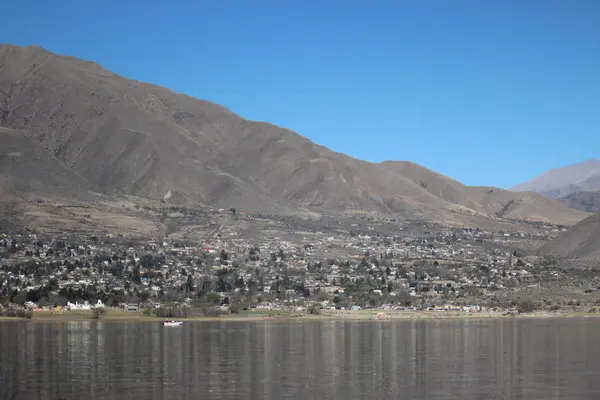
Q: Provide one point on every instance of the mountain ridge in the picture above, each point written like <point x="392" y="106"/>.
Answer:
<point x="562" y="181"/>
<point x="144" y="140"/>
<point x="584" y="201"/>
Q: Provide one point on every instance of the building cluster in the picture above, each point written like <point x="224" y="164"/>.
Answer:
<point x="445" y="268"/>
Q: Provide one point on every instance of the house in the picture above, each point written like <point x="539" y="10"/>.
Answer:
<point x="78" y="306"/>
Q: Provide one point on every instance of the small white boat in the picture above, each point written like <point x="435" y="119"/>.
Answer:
<point x="172" y="323"/>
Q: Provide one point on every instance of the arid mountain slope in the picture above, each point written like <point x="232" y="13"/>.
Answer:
<point x="560" y="182"/>
<point x="436" y="184"/>
<point x="591" y="184"/>
<point x="484" y="200"/>
<point x="25" y="167"/>
<point x="581" y="241"/>
<point x="148" y="141"/>
<point x="584" y="201"/>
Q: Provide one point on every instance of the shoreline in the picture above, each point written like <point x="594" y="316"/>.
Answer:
<point x="113" y="315"/>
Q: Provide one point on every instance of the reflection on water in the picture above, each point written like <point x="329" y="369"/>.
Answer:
<point x="502" y="359"/>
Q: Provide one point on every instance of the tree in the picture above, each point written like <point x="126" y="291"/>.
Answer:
<point x="252" y="286"/>
<point x="190" y="284"/>
<point x="239" y="282"/>
<point x="526" y="306"/>
<point x="136" y="276"/>
<point x="213" y="298"/>
<point x="98" y="312"/>
<point x="322" y="296"/>
<point x="20" y="298"/>
<point x="224" y="255"/>
<point x="147" y="261"/>
<point x="281" y="254"/>
<point x="314" y="309"/>
<point x="390" y="287"/>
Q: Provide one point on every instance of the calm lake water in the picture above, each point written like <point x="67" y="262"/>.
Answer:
<point x="501" y="359"/>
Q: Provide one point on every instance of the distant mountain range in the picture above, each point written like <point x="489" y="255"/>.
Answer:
<point x="560" y="182"/>
<point x="584" y="201"/>
<point x="75" y="130"/>
<point x="577" y="185"/>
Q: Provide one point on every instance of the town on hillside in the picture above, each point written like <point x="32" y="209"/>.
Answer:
<point x="422" y="267"/>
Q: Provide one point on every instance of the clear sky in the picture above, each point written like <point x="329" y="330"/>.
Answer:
<point x="488" y="92"/>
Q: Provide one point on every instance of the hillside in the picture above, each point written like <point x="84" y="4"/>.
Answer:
<point x="485" y="200"/>
<point x="119" y="135"/>
<point x="27" y="168"/>
<point x="590" y="184"/>
<point x="581" y="241"/>
<point x="584" y="201"/>
<point x="560" y="182"/>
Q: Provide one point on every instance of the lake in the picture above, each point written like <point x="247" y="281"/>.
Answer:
<point x="435" y="359"/>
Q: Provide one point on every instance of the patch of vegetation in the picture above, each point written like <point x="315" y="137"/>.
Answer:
<point x="526" y="306"/>
<point x="314" y="309"/>
<point x="98" y="312"/>
<point x="16" y="313"/>
<point x="172" y="312"/>
<point x="200" y="308"/>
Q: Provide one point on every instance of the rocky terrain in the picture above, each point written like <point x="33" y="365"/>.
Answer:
<point x="99" y="135"/>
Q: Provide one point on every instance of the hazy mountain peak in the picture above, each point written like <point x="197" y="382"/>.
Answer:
<point x="561" y="181"/>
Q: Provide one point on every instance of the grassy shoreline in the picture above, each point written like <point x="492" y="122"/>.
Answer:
<point x="115" y="315"/>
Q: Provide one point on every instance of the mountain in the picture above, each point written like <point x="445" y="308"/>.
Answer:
<point x="484" y="200"/>
<point x="114" y="135"/>
<point x="584" y="201"/>
<point x="560" y="182"/>
<point x="27" y="167"/>
<point x="581" y="241"/>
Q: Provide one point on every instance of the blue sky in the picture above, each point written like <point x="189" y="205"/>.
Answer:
<point x="488" y="92"/>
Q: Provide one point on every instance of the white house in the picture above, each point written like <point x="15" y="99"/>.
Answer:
<point x="85" y="306"/>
